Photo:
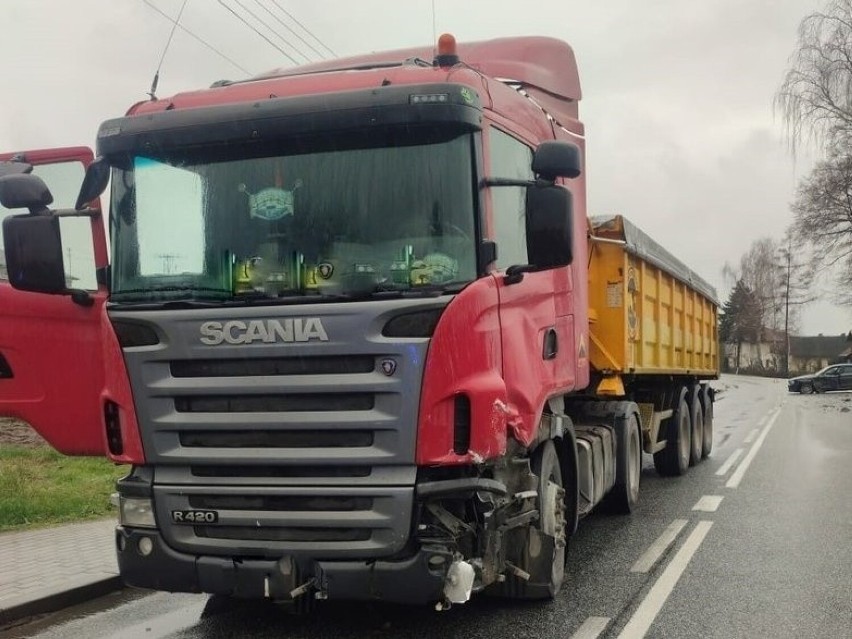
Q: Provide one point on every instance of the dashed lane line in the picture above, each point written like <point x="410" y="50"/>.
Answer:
<point x="750" y="437"/>
<point x="724" y="468"/>
<point x="591" y="628"/>
<point x="653" y="602"/>
<point x="737" y="476"/>
<point x="708" y="503"/>
<point x="656" y="550"/>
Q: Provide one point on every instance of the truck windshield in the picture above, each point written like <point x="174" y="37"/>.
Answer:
<point x="342" y="216"/>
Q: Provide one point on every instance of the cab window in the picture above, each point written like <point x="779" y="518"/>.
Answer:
<point x="509" y="158"/>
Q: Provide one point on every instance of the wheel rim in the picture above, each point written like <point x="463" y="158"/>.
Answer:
<point x="634" y="470"/>
<point x="807" y="389"/>
<point x="685" y="439"/>
<point x="697" y="433"/>
<point x="708" y="432"/>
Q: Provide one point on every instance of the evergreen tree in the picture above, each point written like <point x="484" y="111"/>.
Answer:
<point x="741" y="318"/>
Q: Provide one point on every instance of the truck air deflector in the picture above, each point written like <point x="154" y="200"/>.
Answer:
<point x="285" y="117"/>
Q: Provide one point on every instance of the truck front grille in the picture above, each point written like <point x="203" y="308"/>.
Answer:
<point x="323" y="365"/>
<point x="282" y="534"/>
<point x="280" y="472"/>
<point x="277" y="439"/>
<point x="318" y="503"/>
<point x="330" y="522"/>
<point x="289" y="403"/>
<point x="300" y="447"/>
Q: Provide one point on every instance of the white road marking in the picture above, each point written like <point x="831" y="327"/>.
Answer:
<point x="653" y="602"/>
<point x="708" y="503"/>
<point x="724" y="468"/>
<point x="750" y="437"/>
<point x="591" y="628"/>
<point x="763" y="419"/>
<point x="653" y="554"/>
<point x="737" y="475"/>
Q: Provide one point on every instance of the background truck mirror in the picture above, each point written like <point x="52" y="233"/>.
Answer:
<point x="34" y="253"/>
<point x="21" y="190"/>
<point x="554" y="159"/>
<point x="549" y="226"/>
<point x="14" y="168"/>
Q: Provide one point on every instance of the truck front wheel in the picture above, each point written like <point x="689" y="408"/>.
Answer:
<point x="543" y="543"/>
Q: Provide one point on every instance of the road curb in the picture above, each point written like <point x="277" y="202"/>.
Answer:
<point x="53" y="601"/>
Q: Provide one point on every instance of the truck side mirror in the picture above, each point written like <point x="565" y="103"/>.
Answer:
<point x="550" y="225"/>
<point x="34" y="253"/>
<point x="94" y="183"/>
<point x="32" y="242"/>
<point x="554" y="159"/>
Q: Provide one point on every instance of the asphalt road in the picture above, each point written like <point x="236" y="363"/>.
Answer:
<point x="758" y="546"/>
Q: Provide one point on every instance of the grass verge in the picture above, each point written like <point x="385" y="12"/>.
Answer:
<point x="39" y="487"/>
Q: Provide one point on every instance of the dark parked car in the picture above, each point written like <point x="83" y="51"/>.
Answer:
<point x="836" y="377"/>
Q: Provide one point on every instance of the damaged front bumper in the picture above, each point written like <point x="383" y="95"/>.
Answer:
<point x="419" y="579"/>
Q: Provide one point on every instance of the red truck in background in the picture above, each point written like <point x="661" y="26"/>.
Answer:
<point x="355" y="335"/>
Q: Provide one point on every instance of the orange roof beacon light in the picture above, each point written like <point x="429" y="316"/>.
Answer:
<point x="447" y="55"/>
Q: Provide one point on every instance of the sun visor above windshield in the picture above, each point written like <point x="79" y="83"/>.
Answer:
<point x="425" y="105"/>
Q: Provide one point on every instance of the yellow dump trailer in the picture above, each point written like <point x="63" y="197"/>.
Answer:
<point x="650" y="314"/>
<point x="653" y="334"/>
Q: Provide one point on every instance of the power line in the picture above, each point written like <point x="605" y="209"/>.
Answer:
<point x="250" y="26"/>
<point x="266" y="25"/>
<point x="197" y="38"/>
<point x="290" y="29"/>
<point x="306" y="30"/>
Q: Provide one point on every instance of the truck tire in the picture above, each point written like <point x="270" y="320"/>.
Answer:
<point x="628" y="465"/>
<point x="707" y="403"/>
<point x="673" y="460"/>
<point x="542" y="555"/>
<point x="696" y="420"/>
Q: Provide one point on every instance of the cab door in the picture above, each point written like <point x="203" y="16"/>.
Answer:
<point x="51" y="349"/>
<point x="537" y="335"/>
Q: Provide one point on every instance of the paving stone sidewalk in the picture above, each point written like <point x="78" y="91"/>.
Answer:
<point x="50" y="568"/>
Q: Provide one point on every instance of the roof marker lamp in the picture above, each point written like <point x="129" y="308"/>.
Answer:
<point x="447" y="53"/>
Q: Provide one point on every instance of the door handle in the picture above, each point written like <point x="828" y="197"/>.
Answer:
<point x="5" y="369"/>
<point x="551" y="344"/>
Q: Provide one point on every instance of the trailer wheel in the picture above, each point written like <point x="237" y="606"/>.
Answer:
<point x="628" y="466"/>
<point x="707" y="444"/>
<point x="674" y="458"/>
<point x="696" y="419"/>
<point x="542" y="545"/>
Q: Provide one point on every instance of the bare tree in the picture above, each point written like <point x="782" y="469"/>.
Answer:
<point x="823" y="220"/>
<point x="759" y="272"/>
<point x="815" y="98"/>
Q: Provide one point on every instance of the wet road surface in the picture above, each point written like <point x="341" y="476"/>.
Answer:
<point x="754" y="542"/>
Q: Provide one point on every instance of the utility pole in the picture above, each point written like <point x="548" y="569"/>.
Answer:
<point x="791" y="287"/>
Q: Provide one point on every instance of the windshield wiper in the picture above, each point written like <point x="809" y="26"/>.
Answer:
<point x="198" y="295"/>
<point x="173" y="289"/>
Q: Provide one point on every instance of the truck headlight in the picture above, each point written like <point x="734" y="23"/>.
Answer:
<point x="136" y="512"/>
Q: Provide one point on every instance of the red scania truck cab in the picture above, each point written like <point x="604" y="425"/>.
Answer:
<point x="342" y="334"/>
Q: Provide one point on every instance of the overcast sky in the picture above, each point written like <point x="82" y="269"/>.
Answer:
<point x="677" y="102"/>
